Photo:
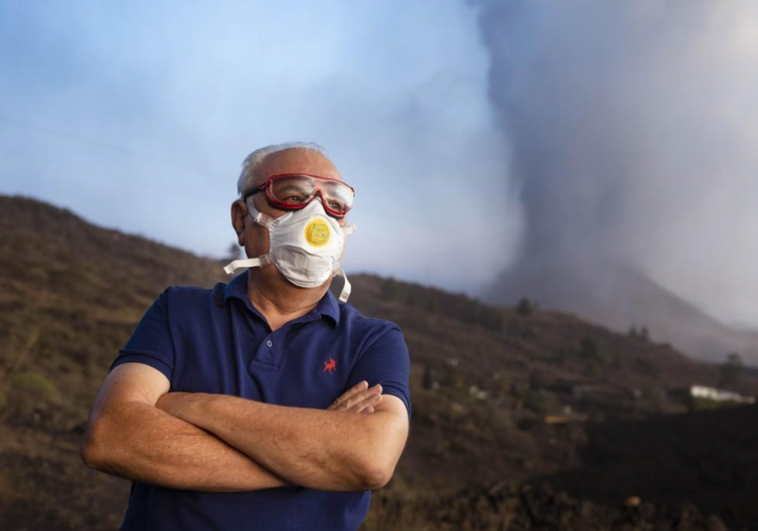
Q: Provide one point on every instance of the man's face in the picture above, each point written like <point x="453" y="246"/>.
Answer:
<point x="254" y="237"/>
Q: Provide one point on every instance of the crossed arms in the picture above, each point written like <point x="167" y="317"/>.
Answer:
<point x="221" y="443"/>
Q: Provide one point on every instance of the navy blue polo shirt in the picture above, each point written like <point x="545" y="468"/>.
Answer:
<point x="215" y="341"/>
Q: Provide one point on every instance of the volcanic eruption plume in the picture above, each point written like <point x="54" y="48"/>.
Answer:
<point x="633" y="137"/>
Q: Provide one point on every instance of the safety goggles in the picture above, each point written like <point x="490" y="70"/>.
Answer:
<point x="293" y="191"/>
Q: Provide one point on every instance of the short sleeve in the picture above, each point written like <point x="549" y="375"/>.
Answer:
<point x="151" y="341"/>
<point x="386" y="362"/>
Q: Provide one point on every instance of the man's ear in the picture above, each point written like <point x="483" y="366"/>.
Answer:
<point x="239" y="213"/>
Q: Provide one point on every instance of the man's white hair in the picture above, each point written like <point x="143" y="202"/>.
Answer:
<point x="256" y="158"/>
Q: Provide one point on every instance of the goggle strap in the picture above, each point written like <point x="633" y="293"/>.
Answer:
<point x="346" y="287"/>
<point x="259" y="217"/>
<point x="261" y="261"/>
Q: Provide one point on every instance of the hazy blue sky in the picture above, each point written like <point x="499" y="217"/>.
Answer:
<point x="624" y="129"/>
<point x="138" y="114"/>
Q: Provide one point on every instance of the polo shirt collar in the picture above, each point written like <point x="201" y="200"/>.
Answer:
<point x="237" y="289"/>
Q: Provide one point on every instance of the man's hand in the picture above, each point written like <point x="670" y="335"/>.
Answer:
<point x="353" y="445"/>
<point x="358" y="399"/>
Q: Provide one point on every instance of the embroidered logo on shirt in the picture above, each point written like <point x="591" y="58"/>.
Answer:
<point x="330" y="366"/>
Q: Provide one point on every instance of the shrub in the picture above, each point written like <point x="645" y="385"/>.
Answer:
<point x="28" y="391"/>
<point x="591" y="352"/>
<point x="526" y="307"/>
<point x="541" y="403"/>
<point x="33" y="383"/>
<point x="732" y="370"/>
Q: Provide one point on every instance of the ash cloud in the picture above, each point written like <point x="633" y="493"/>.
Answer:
<point x="633" y="141"/>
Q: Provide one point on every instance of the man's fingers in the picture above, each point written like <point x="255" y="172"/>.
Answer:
<point x="361" y="397"/>
<point x="344" y="397"/>
<point x="356" y="398"/>
<point x="366" y="403"/>
<point x="357" y="388"/>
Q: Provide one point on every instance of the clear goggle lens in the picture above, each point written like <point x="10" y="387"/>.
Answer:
<point x="296" y="191"/>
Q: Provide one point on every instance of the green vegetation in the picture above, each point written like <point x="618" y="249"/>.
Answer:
<point x="639" y="333"/>
<point x="525" y="307"/>
<point x="34" y="384"/>
<point x="563" y="356"/>
<point x="542" y="403"/>
<point x="27" y="392"/>
<point x="732" y="371"/>
<point x="699" y="403"/>
<point x="596" y="359"/>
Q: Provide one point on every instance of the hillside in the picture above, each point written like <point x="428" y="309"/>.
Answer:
<point x="484" y="380"/>
<point x="618" y="297"/>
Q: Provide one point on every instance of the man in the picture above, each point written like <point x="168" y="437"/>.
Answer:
<point x="263" y="403"/>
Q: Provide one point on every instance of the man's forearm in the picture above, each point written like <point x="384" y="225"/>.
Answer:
<point x="143" y="443"/>
<point x="327" y="450"/>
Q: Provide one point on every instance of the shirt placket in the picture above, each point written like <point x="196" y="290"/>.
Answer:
<point x="269" y="349"/>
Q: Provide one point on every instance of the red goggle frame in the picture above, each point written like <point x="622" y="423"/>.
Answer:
<point x="293" y="191"/>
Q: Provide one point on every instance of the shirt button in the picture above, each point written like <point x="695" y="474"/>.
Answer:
<point x="269" y="343"/>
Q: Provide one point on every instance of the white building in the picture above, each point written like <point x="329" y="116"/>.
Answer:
<point x="719" y="395"/>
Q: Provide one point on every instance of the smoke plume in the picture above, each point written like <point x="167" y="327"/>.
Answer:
<point x="635" y="146"/>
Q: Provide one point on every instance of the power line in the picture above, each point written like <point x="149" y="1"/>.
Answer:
<point x="110" y="147"/>
<point x="143" y="183"/>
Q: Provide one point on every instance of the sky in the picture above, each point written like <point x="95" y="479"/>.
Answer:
<point x="137" y="116"/>
<point x="479" y="134"/>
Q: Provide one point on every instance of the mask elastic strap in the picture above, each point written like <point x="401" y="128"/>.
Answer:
<point x="261" y="261"/>
<point x="261" y="219"/>
<point x="346" y="287"/>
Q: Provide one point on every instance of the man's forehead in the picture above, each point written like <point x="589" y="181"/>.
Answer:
<point x="295" y="161"/>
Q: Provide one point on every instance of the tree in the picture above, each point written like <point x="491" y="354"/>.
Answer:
<point x="593" y="354"/>
<point x="233" y="252"/>
<point x="391" y="290"/>
<point x="588" y="349"/>
<point x="525" y="306"/>
<point x="732" y="370"/>
<point x="427" y="378"/>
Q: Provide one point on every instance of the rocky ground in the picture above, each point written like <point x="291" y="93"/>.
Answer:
<point x="523" y="418"/>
